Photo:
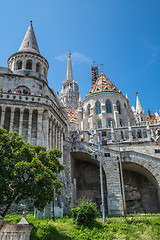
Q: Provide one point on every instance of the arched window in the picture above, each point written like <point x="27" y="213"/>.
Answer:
<point x="118" y="107"/>
<point x="110" y="136"/>
<point x="99" y="124"/>
<point x="109" y="123"/>
<point x="139" y="134"/>
<point x="108" y="106"/>
<point x="38" y="67"/>
<point x="19" y="64"/>
<point x="122" y="135"/>
<point x="98" y="108"/>
<point x="45" y="72"/>
<point x="29" y="64"/>
<point x="121" y="122"/>
<point x="89" y="109"/>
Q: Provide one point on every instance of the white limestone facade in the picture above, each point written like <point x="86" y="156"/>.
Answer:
<point x="27" y="104"/>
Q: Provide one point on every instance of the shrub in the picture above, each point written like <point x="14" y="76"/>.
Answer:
<point x="84" y="213"/>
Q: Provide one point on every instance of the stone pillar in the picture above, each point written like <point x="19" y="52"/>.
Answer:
<point x="12" y="119"/>
<point x="130" y="133"/>
<point x="23" y="63"/>
<point x="115" y="202"/>
<point x="3" y="115"/>
<point x="58" y="138"/>
<point x="116" y="116"/>
<point x="55" y="136"/>
<point x="47" y="134"/>
<point x="20" y="122"/>
<point x="30" y="126"/>
<point x="148" y="133"/>
<point x="103" y="114"/>
<point x="33" y="65"/>
<point x="39" y="127"/>
<point x="112" y="134"/>
<point x="50" y="134"/>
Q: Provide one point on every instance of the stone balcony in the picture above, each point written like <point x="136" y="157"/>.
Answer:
<point x="32" y="99"/>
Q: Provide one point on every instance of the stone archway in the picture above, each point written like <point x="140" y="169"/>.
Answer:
<point x="87" y="175"/>
<point x="141" y="189"/>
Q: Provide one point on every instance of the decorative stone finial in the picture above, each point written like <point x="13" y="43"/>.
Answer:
<point x="69" y="53"/>
<point x="23" y="220"/>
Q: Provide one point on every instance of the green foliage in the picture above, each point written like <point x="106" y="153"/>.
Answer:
<point x="27" y="171"/>
<point x="131" y="228"/>
<point x="84" y="213"/>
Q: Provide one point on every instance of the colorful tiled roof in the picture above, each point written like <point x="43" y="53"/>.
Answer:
<point x="103" y="84"/>
<point x="72" y="114"/>
<point x="151" y="118"/>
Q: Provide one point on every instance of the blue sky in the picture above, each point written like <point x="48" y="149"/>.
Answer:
<point x="123" y="35"/>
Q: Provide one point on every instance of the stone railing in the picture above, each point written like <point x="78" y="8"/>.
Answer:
<point x="33" y="98"/>
<point x="13" y="231"/>
<point x="126" y="134"/>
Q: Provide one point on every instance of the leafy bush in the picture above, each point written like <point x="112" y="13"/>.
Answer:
<point x="84" y="213"/>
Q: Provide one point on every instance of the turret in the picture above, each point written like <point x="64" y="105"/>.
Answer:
<point x="139" y="112"/>
<point x="28" y="60"/>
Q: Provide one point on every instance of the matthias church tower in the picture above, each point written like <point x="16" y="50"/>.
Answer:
<point x="69" y="95"/>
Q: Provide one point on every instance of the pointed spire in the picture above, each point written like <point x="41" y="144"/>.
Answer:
<point x="80" y="101"/>
<point x="69" y="74"/>
<point x="139" y="108"/>
<point x="133" y="108"/>
<point x="29" y="42"/>
<point x="126" y="96"/>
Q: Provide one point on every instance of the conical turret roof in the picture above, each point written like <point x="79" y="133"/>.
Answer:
<point x="69" y="74"/>
<point x="139" y="108"/>
<point x="103" y="84"/>
<point x="29" y="42"/>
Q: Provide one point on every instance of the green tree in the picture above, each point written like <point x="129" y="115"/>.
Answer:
<point x="27" y="171"/>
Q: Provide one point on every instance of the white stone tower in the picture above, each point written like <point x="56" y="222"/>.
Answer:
<point x="69" y="95"/>
<point x="28" y="60"/>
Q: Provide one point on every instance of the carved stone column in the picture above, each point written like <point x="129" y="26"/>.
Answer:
<point x="12" y="119"/>
<point x="39" y="127"/>
<point x="58" y="138"/>
<point x="30" y="126"/>
<point x="2" y="115"/>
<point x="21" y="121"/>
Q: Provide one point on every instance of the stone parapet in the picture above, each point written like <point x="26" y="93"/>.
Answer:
<point x="10" y="231"/>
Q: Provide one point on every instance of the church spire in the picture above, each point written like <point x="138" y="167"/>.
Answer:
<point x="69" y="74"/>
<point x="139" y="108"/>
<point x="29" y="42"/>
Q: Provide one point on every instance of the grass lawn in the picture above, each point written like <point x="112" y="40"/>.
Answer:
<point x="132" y="228"/>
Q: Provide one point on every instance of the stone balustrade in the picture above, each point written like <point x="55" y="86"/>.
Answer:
<point x="33" y="98"/>
<point x="136" y="133"/>
<point x="13" y="231"/>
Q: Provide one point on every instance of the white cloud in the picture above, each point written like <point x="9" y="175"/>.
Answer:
<point x="76" y="58"/>
<point x="154" y="52"/>
<point x="151" y="62"/>
<point x="62" y="57"/>
<point x="154" y="49"/>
